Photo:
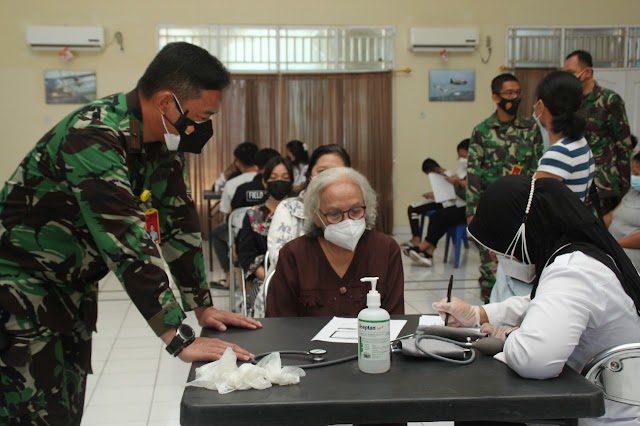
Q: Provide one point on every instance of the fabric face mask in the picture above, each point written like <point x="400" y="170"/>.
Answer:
<point x="635" y="182"/>
<point x="279" y="189"/>
<point x="345" y="234"/>
<point x="544" y="132"/>
<point x="510" y="106"/>
<point x="192" y="136"/>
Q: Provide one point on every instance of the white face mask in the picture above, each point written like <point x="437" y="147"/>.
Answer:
<point x="345" y="234"/>
<point x="544" y="132"/>
<point x="170" y="139"/>
<point x="462" y="168"/>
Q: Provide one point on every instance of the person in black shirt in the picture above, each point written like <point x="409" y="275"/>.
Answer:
<point x="254" y="193"/>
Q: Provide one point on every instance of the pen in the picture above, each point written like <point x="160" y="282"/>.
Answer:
<point x="446" y="318"/>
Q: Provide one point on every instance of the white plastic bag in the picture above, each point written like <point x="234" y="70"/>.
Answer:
<point x="225" y="376"/>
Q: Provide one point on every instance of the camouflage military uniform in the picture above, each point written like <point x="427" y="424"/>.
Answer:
<point x="69" y="214"/>
<point x="498" y="149"/>
<point x="609" y="138"/>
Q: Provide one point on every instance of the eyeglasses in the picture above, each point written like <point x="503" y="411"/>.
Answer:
<point x="511" y="94"/>
<point x="337" y="216"/>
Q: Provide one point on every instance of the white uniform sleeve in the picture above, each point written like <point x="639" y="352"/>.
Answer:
<point x="556" y="319"/>
<point x="510" y="312"/>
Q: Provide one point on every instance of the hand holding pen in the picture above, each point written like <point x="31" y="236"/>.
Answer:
<point x="459" y="313"/>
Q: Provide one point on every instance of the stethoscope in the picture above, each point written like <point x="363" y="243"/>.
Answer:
<point x="317" y="358"/>
<point x="318" y="355"/>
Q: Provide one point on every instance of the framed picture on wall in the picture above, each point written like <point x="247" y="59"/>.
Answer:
<point x="452" y="85"/>
<point x="69" y="87"/>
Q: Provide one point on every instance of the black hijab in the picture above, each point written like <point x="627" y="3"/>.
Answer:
<point x="556" y="218"/>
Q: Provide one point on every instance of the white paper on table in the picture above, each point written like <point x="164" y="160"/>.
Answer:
<point x="442" y="190"/>
<point x="422" y="202"/>
<point x="430" y="320"/>
<point x="345" y="330"/>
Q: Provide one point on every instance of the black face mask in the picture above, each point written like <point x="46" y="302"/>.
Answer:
<point x="510" y="106"/>
<point x="193" y="136"/>
<point x="279" y="189"/>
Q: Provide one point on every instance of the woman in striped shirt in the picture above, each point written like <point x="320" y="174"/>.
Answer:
<point x="568" y="157"/>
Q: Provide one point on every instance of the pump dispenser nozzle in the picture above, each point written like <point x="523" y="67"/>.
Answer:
<point x="373" y="297"/>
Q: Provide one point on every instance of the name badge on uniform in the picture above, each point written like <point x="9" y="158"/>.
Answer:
<point x="516" y="169"/>
<point x="153" y="224"/>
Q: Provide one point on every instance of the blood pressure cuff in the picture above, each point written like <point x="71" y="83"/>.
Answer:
<point x="423" y="347"/>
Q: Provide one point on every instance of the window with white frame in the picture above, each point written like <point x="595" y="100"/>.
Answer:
<point x="289" y="49"/>
<point x="546" y="47"/>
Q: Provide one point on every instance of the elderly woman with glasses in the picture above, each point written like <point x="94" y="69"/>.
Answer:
<point x="319" y="273"/>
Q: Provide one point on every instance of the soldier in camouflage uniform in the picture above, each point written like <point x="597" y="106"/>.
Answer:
<point x="607" y="132"/>
<point x="503" y="144"/>
<point x="72" y="212"/>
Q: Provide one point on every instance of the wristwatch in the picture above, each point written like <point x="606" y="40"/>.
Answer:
<point x="184" y="337"/>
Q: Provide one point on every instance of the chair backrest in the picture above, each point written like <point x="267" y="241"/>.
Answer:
<point x="235" y="222"/>
<point x="617" y="372"/>
<point x="265" y="287"/>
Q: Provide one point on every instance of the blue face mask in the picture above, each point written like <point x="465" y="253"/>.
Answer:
<point x="545" y="134"/>
<point x="635" y="182"/>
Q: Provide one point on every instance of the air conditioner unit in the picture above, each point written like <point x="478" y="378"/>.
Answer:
<point x="429" y="39"/>
<point x="58" y="37"/>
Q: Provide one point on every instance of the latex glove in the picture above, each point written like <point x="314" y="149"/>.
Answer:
<point x="501" y="331"/>
<point x="461" y="314"/>
<point x="219" y="319"/>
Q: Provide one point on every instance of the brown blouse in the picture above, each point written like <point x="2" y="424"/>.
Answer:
<point x="305" y="284"/>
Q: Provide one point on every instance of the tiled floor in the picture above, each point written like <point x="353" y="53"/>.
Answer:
<point x="135" y="382"/>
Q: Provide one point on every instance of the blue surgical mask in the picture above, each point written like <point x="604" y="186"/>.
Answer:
<point x="545" y="134"/>
<point x="635" y="182"/>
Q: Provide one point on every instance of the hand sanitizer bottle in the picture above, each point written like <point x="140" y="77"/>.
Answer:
<point x="374" y="350"/>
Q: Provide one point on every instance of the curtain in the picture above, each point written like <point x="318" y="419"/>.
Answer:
<point x="352" y="110"/>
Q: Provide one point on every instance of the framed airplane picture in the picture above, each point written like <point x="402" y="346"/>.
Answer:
<point x="69" y="87"/>
<point x="452" y="85"/>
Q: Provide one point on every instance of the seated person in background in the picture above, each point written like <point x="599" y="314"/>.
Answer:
<point x="296" y="151"/>
<point x="252" y="238"/>
<point x="229" y="173"/>
<point x="319" y="273"/>
<point x="254" y="192"/>
<point x="586" y="292"/>
<point x="415" y="210"/>
<point x="245" y="160"/>
<point x="452" y="213"/>
<point x="288" y="219"/>
<point x="624" y="220"/>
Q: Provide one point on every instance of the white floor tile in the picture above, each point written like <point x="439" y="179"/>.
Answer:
<point x="136" y="353"/>
<point x="168" y="393"/>
<point x="165" y="411"/>
<point x="124" y="380"/>
<point x="129" y="366"/>
<point x="122" y="395"/>
<point x="115" y="414"/>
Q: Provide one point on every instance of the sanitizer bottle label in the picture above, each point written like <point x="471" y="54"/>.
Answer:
<point x="373" y="340"/>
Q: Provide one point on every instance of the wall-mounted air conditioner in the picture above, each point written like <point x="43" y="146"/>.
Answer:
<point x="58" y="37"/>
<point x="431" y="39"/>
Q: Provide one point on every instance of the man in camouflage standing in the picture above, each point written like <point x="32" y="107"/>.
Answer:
<point x="74" y="210"/>
<point x="503" y="144"/>
<point x="607" y="132"/>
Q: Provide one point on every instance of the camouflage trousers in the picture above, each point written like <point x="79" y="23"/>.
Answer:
<point x="43" y="375"/>
<point x="487" y="269"/>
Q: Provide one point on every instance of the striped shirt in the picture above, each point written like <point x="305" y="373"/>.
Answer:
<point x="573" y="162"/>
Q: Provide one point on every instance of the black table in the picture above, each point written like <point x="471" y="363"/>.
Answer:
<point x="413" y="390"/>
<point x="213" y="203"/>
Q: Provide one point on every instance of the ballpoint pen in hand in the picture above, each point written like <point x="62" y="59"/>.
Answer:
<point x="446" y="318"/>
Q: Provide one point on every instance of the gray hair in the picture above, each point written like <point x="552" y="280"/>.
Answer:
<point x="330" y="177"/>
